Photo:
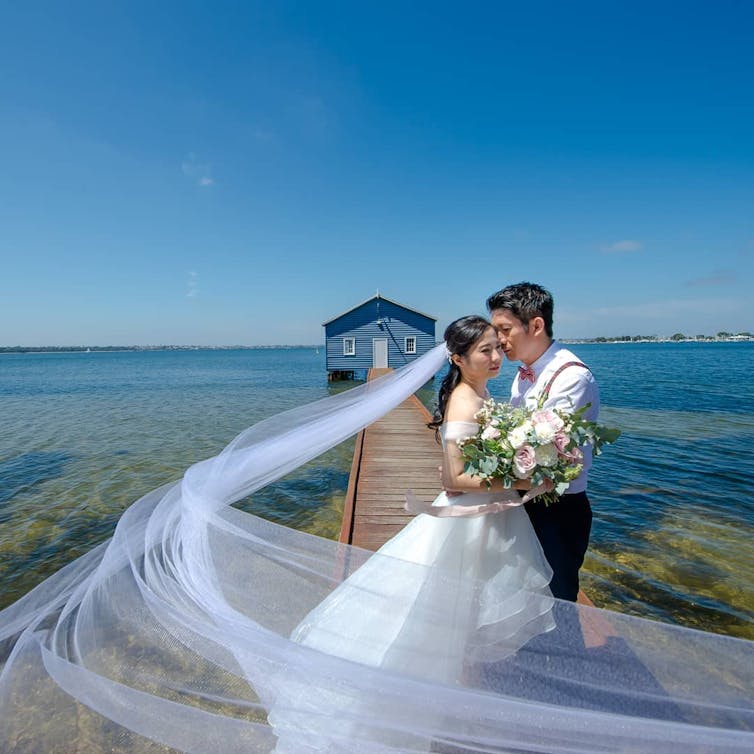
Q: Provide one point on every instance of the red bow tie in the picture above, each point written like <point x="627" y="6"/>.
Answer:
<point x="526" y="373"/>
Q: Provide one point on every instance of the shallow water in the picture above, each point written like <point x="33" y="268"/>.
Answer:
<point x="83" y="435"/>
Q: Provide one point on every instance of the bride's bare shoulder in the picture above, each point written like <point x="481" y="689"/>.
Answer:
<point x="462" y="404"/>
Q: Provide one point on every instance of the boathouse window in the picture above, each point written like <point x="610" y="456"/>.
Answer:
<point x="410" y="344"/>
<point x="349" y="346"/>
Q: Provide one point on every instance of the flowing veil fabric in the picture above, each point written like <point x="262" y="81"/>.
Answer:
<point x="442" y="599"/>
<point x="175" y="634"/>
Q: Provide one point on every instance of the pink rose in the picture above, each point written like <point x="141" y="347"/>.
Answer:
<point x="574" y="456"/>
<point x="545" y="416"/>
<point x="524" y="461"/>
<point x="561" y="441"/>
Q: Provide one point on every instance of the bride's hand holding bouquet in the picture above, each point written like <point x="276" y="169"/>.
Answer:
<point x="541" y="446"/>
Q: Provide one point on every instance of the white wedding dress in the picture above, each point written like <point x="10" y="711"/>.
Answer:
<point x="441" y="598"/>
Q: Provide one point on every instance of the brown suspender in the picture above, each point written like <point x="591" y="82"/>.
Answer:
<point x="546" y="391"/>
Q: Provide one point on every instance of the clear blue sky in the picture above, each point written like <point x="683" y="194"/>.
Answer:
<point x="237" y="173"/>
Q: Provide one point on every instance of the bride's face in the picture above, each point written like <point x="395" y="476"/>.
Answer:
<point x="483" y="359"/>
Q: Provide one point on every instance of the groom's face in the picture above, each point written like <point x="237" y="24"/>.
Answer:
<point x="518" y="340"/>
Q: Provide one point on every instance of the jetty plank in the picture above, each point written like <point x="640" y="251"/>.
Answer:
<point x="396" y="453"/>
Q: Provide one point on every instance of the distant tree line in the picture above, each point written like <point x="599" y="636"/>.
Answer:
<point x="722" y="335"/>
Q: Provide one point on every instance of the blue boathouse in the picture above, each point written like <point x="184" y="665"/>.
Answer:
<point x="376" y="333"/>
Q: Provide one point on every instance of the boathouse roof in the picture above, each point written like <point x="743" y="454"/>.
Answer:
<point x="381" y="298"/>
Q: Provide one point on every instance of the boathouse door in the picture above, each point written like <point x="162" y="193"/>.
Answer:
<point x="379" y="353"/>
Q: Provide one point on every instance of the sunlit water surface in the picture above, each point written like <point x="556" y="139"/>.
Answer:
<point x="83" y="435"/>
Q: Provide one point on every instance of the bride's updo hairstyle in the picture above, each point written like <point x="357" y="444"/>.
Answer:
<point x="459" y="336"/>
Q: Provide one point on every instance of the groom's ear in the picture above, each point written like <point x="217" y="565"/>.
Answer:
<point x="536" y="325"/>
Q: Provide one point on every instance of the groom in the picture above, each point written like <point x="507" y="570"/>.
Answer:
<point x="522" y="315"/>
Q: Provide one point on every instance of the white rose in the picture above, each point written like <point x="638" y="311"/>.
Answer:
<point x="546" y="455"/>
<point x="490" y="433"/>
<point x="544" y="431"/>
<point x="518" y="436"/>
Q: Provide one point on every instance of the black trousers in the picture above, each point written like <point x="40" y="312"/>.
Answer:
<point x="563" y="530"/>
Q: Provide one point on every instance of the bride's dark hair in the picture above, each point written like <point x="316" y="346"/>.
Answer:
<point x="459" y="336"/>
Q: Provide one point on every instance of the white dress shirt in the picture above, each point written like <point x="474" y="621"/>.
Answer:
<point x="573" y="388"/>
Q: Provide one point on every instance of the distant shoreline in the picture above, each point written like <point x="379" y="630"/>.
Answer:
<point x="629" y="341"/>
<point x="121" y="349"/>
<point x="317" y="346"/>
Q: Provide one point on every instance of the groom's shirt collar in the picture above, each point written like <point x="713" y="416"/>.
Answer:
<point x="539" y="365"/>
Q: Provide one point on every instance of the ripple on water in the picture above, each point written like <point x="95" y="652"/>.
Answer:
<point x="21" y="473"/>
<point x="693" y="570"/>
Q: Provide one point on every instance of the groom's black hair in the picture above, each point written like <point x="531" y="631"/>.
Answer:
<point x="525" y="301"/>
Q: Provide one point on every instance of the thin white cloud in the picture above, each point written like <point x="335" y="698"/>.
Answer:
<point x="192" y="285"/>
<point x="623" y="247"/>
<point x="715" y="278"/>
<point x="199" y="172"/>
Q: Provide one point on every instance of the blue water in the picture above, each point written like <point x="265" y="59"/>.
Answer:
<point x="82" y="435"/>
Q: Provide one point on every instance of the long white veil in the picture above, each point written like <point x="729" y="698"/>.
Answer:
<point x="174" y="635"/>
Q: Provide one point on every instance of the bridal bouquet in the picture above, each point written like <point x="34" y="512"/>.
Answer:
<point x="541" y="445"/>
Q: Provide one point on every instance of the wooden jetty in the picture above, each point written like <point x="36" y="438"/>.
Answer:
<point x="396" y="453"/>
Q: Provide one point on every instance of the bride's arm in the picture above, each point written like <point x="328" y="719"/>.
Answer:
<point x="462" y="407"/>
<point x="454" y="478"/>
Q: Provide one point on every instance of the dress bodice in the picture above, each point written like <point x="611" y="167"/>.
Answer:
<point x="453" y="431"/>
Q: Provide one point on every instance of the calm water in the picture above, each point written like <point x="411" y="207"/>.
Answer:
<point x="84" y="435"/>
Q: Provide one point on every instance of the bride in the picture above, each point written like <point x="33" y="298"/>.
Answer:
<point x="463" y="584"/>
